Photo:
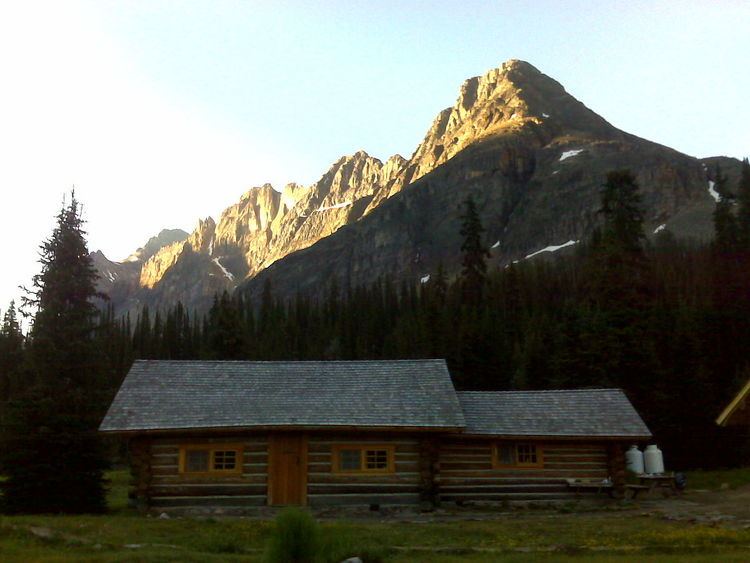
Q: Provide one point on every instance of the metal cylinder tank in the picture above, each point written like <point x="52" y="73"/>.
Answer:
<point x="653" y="460"/>
<point x="634" y="459"/>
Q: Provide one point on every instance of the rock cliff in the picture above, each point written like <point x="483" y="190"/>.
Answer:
<point x="531" y="155"/>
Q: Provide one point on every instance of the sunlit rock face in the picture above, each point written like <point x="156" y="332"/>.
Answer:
<point x="531" y="155"/>
<point x="262" y="227"/>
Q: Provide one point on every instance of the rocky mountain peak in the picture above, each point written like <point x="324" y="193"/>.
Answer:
<point x="202" y="237"/>
<point x="154" y="244"/>
<point x="522" y="140"/>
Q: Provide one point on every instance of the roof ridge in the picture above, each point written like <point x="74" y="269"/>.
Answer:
<point x="420" y="360"/>
<point x="520" y="391"/>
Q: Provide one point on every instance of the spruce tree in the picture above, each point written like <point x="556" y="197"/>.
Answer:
<point x="743" y="199"/>
<point x="615" y="332"/>
<point x="474" y="253"/>
<point x="52" y="456"/>
<point x="225" y="336"/>
<point x="726" y="232"/>
<point x="11" y="353"/>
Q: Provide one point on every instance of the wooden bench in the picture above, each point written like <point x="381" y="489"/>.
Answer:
<point x="663" y="481"/>
<point x="634" y="490"/>
<point x="596" y="485"/>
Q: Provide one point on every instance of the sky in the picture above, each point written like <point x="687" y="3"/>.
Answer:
<point x="163" y="112"/>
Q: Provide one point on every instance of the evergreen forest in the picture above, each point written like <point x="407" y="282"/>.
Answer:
<point x="666" y="320"/>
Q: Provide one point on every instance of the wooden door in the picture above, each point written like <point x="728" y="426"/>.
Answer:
<point x="287" y="469"/>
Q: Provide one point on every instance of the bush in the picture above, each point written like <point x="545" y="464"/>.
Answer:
<point x="295" y="538"/>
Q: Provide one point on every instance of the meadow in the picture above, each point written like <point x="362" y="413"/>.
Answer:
<point x="615" y="533"/>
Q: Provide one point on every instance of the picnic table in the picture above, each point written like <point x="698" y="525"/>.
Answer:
<point x="596" y="485"/>
<point x="649" y="482"/>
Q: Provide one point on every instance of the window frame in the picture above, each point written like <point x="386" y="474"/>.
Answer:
<point x="497" y="464"/>
<point x="390" y="467"/>
<point x="212" y="448"/>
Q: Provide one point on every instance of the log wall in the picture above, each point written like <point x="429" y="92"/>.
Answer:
<point x="326" y="488"/>
<point x="168" y="489"/>
<point x="427" y="469"/>
<point x="467" y="473"/>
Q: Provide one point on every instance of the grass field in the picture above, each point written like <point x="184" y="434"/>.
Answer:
<point x="526" y="535"/>
<point x="713" y="480"/>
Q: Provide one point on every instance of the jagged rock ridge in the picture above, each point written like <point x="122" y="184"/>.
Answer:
<point x="532" y="155"/>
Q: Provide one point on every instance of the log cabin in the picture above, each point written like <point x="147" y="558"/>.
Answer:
<point x="235" y="435"/>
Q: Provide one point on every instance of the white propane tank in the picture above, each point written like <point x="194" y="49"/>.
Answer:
<point x="634" y="459"/>
<point x="653" y="460"/>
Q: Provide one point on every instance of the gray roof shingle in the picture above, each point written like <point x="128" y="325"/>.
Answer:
<point x="604" y="413"/>
<point x="164" y="395"/>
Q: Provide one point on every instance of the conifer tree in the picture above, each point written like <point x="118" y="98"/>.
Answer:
<point x="52" y="455"/>
<point x="726" y="232"/>
<point x="225" y="331"/>
<point x="11" y="353"/>
<point x="743" y="199"/>
<point x="616" y="329"/>
<point x="475" y="254"/>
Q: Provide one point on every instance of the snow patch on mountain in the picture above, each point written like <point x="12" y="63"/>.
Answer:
<point x="712" y="191"/>
<point x="553" y="248"/>
<point x="569" y="154"/>
<point x="337" y="206"/>
<point x="227" y="273"/>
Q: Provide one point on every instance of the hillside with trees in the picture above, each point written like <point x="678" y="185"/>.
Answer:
<point x="668" y="321"/>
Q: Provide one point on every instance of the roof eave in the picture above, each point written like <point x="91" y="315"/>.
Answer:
<point x="282" y="428"/>
<point x="561" y="437"/>
<point x="726" y="414"/>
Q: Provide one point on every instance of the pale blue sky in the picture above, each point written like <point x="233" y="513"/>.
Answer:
<point x="162" y="112"/>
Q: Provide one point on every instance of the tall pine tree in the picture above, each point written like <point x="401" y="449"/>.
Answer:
<point x="11" y="353"/>
<point x="53" y="458"/>
<point x="726" y="232"/>
<point x="616" y="323"/>
<point x="743" y="198"/>
<point x="475" y="254"/>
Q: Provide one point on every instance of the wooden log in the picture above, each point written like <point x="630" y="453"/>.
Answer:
<point x="259" y="441"/>
<point x="140" y="471"/>
<point x="470" y="481"/>
<point x="500" y="497"/>
<point x="498" y="489"/>
<point x="209" y="501"/>
<point x="410" y="477"/>
<point x="315" y="447"/>
<point x="525" y="473"/>
<point x="194" y="489"/>
<point x="429" y="469"/>
<point x="175" y="479"/>
<point x="617" y="468"/>
<point x="362" y="488"/>
<point x="409" y="499"/>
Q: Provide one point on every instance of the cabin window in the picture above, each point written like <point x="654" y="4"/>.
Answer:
<point x="363" y="459"/>
<point x="210" y="459"/>
<point x="197" y="461"/>
<point x="511" y="454"/>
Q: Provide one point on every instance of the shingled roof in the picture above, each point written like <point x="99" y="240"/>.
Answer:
<point x="599" y="413"/>
<point x="170" y="395"/>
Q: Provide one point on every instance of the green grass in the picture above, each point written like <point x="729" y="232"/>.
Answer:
<point x="712" y="480"/>
<point x="81" y="538"/>
<point x="524" y="536"/>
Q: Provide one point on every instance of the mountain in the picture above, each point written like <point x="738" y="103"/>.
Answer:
<point x="121" y="280"/>
<point x="532" y="156"/>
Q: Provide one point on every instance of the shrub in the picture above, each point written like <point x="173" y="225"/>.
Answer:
<point x="295" y="538"/>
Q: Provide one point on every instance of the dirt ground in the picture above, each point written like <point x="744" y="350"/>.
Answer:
<point x="725" y="508"/>
<point x="729" y="508"/>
